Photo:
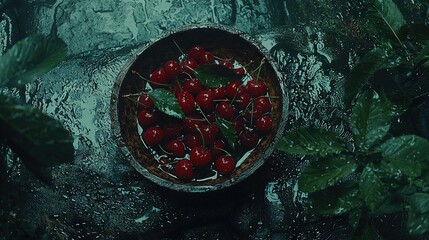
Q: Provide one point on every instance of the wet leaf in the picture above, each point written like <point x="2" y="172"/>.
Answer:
<point x="166" y="102"/>
<point x="214" y="76"/>
<point x="372" y="189"/>
<point x="39" y="139"/>
<point x="228" y="131"/>
<point x="420" y="202"/>
<point x="311" y="141"/>
<point x="29" y="58"/>
<point x="417" y="223"/>
<point x="336" y="200"/>
<point x="370" y="120"/>
<point x="326" y="172"/>
<point x="406" y="154"/>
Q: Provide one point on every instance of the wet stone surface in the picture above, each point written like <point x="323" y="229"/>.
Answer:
<point x="100" y="196"/>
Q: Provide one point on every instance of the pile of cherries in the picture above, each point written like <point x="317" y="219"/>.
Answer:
<point x="194" y="145"/>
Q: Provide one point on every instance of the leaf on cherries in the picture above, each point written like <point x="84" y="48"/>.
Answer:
<point x="214" y="76"/>
<point x="166" y="102"/>
<point x="228" y="131"/>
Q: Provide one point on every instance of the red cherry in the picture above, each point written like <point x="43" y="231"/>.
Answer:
<point x="209" y="132"/>
<point x="219" y="93"/>
<point x="256" y="88"/>
<point x="254" y="113"/>
<point x="188" y="65"/>
<point x="153" y="136"/>
<point x="208" y="58"/>
<point x="264" y="124"/>
<point x="172" y="69"/>
<point x="193" y="140"/>
<point x="176" y="147"/>
<point x="217" y="145"/>
<point x="197" y="52"/>
<point x="239" y="71"/>
<point x="145" y="101"/>
<point x="211" y="117"/>
<point x="243" y="99"/>
<point x="200" y="156"/>
<point x="186" y="102"/>
<point x="227" y="64"/>
<point x="172" y="130"/>
<point x="193" y="86"/>
<point x="183" y="170"/>
<point x="248" y="139"/>
<point x="205" y="100"/>
<point x="158" y="76"/>
<point x="225" y="110"/>
<point x="224" y="164"/>
<point x="264" y="103"/>
<point x="147" y="117"/>
<point x="238" y="125"/>
<point x="191" y="123"/>
<point x="233" y="88"/>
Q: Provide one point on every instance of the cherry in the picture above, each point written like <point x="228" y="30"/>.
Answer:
<point x="211" y="117"/>
<point x="264" y="103"/>
<point x="232" y="89"/>
<point x="193" y="86"/>
<point x="176" y="147"/>
<point x="254" y="113"/>
<point x="172" y="69"/>
<point x="186" y="102"/>
<point x="200" y="156"/>
<point x="238" y="124"/>
<point x="225" y="110"/>
<point x="188" y="65"/>
<point x="147" y="117"/>
<point x="158" y="76"/>
<point x="256" y="88"/>
<point x="193" y="140"/>
<point x="224" y="164"/>
<point x="153" y="136"/>
<point x="217" y="145"/>
<point x="192" y="122"/>
<point x="208" y="58"/>
<point x="172" y="130"/>
<point x="264" y="124"/>
<point x="197" y="52"/>
<point x="227" y="64"/>
<point x="145" y="101"/>
<point x="175" y="88"/>
<point x="239" y="71"/>
<point x="243" y="99"/>
<point x="183" y="170"/>
<point x="248" y="139"/>
<point x="219" y="93"/>
<point x="205" y="100"/>
<point x="209" y="132"/>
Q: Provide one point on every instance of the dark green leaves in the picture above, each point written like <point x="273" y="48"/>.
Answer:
<point x="326" y="172"/>
<point x="228" y="131"/>
<point x="370" y="120"/>
<point x="214" y="76"/>
<point x="312" y="142"/>
<point x="371" y="188"/>
<point x="420" y="202"/>
<point x="29" y="59"/>
<point x="418" y="215"/>
<point x="387" y="19"/>
<point x="39" y="139"/>
<point x="406" y="154"/>
<point x="166" y="102"/>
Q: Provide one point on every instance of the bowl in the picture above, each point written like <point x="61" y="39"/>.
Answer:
<point x="223" y="42"/>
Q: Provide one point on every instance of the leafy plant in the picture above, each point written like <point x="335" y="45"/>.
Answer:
<point x="40" y="140"/>
<point x="374" y="174"/>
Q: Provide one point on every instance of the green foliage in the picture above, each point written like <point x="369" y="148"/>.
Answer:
<point x="214" y="75"/>
<point x="40" y="140"/>
<point x="166" y="102"/>
<point x="228" y="131"/>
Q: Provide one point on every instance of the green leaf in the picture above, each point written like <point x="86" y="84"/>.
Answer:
<point x="417" y="223"/>
<point x="378" y="58"/>
<point x="311" y="141"/>
<point x="39" y="139"/>
<point x="166" y="102"/>
<point x="420" y="202"/>
<point x="387" y="20"/>
<point x="336" y="200"/>
<point x="228" y="131"/>
<point x="415" y="31"/>
<point x="406" y="154"/>
<point x="214" y="76"/>
<point x="372" y="189"/>
<point x="354" y="217"/>
<point x="326" y="172"/>
<point x="370" y="120"/>
<point x="30" y="58"/>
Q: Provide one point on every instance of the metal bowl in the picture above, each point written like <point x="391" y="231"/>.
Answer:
<point x="223" y="42"/>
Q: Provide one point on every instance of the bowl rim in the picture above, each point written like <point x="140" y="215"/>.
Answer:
<point x="116" y="128"/>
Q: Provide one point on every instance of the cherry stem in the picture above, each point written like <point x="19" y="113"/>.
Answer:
<point x="223" y="59"/>
<point x="147" y="80"/>
<point x="133" y="95"/>
<point x="202" y="137"/>
<point x="251" y="114"/>
<point x="178" y="47"/>
<point x="223" y="150"/>
<point x="197" y="119"/>
<point x="165" y="151"/>
<point x="178" y="83"/>
<point x="236" y="93"/>
<point x="139" y="103"/>
<point x="189" y="75"/>
<point x="169" y="163"/>
<point x="226" y="100"/>
<point x="247" y="64"/>
<point x="258" y="69"/>
<point x="202" y="112"/>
